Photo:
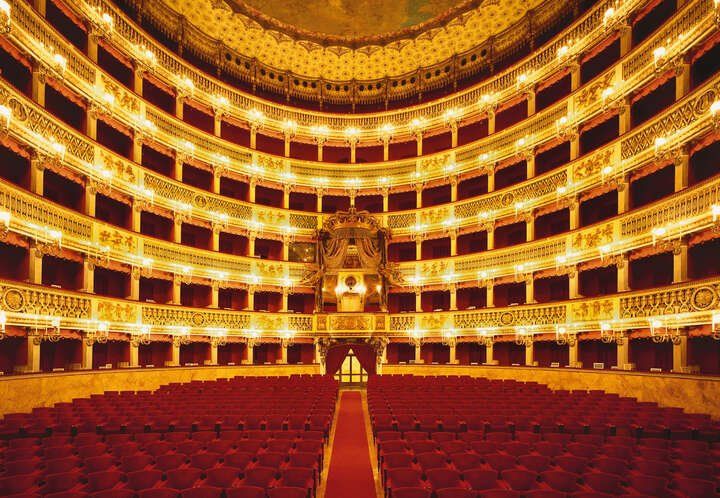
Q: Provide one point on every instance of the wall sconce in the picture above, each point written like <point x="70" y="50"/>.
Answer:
<point x="185" y="86"/>
<point x="523" y="337"/>
<point x="59" y="64"/>
<point x="256" y="119"/>
<point x="386" y="132"/>
<point x="3" y="323"/>
<point x="221" y="105"/>
<point x="659" y="57"/>
<point x="485" y="338"/>
<point x="145" y="57"/>
<point x="715" y="112"/>
<point x="58" y="150"/>
<point x="608" y="334"/>
<point x="5" y="25"/>
<point x="716" y="325"/>
<point x="564" y="337"/>
<point x="4" y="222"/>
<point x="5" y="115"/>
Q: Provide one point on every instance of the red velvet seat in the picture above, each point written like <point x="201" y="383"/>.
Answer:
<point x="159" y="493"/>
<point x="287" y="492"/>
<point x="245" y="492"/>
<point x="201" y="492"/>
<point x="107" y="479"/>
<point x="694" y="488"/>
<point x="135" y="462"/>
<point x="536" y="463"/>
<point x="500" y="461"/>
<point x="431" y="460"/>
<point x="271" y="459"/>
<point x="259" y="476"/>
<point x="603" y="482"/>
<point x="223" y="477"/>
<point x="144" y="479"/>
<point x="520" y="479"/>
<point x="571" y="463"/>
<point x="402" y="478"/>
<point x="649" y="485"/>
<point x="465" y="461"/>
<point x="115" y="493"/>
<point x="481" y="479"/>
<point x="298" y="478"/>
<point x="443" y="478"/>
<point x="183" y="478"/>
<point x="171" y="461"/>
<point x="455" y="493"/>
<point x="560" y="480"/>
<point x="415" y="492"/>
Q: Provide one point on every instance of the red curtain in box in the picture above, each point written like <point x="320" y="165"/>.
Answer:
<point x="307" y="354"/>
<point x="111" y="352"/>
<point x="470" y="352"/>
<point x="13" y="352"/>
<point x="704" y="351"/>
<point x="509" y="353"/>
<point x="435" y="353"/>
<point x="547" y="352"/>
<point x="195" y="352"/>
<point x="596" y="351"/>
<point x="233" y="352"/>
<point x="155" y="353"/>
<point x="364" y="353"/>
<point x="60" y="354"/>
<point x="646" y="354"/>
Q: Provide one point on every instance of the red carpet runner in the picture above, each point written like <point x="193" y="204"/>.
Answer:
<point x="350" y="474"/>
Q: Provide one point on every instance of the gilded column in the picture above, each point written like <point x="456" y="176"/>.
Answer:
<point x="89" y="201"/>
<point x="134" y="348"/>
<point x="623" y="351"/>
<point x="453" y="296"/>
<point x="177" y="289"/>
<point x="529" y="289"/>
<point x="623" y="266"/>
<point x="35" y="260"/>
<point x="530" y="353"/>
<point x="680" y="260"/>
<point x="39" y="79"/>
<point x="682" y="168"/>
<point x="91" y="119"/>
<point x="174" y="353"/>
<point x="215" y="294"/>
<point x="623" y="189"/>
<point x="625" y="39"/>
<point x="453" y="188"/>
<point x="37" y="173"/>
<point x="574" y="283"/>
<point x="682" y="78"/>
<point x="86" y="362"/>
<point x="88" y="275"/>
<point x="573" y="354"/>
<point x="490" y="291"/>
<point x="135" y="284"/>
<point x="680" y="352"/>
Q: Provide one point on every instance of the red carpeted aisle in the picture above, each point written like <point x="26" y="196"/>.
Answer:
<point x="350" y="474"/>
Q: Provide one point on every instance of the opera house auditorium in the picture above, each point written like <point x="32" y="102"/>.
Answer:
<point x="359" y="249"/>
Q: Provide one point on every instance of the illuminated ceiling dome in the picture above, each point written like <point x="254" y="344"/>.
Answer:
<point x="426" y="44"/>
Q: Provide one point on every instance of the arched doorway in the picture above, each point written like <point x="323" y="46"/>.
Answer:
<point x="351" y="373"/>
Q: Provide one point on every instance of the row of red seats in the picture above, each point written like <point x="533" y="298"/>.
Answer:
<point x="430" y="441"/>
<point x="179" y="460"/>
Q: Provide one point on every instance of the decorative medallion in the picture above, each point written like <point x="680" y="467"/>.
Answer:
<point x="198" y="319"/>
<point x="507" y="318"/>
<point x="703" y="298"/>
<point x="14" y="300"/>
